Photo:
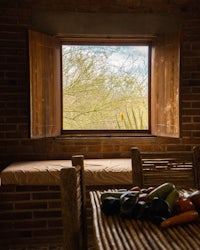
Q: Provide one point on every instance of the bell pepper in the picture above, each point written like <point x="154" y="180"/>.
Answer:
<point x="110" y="205"/>
<point x="128" y="202"/>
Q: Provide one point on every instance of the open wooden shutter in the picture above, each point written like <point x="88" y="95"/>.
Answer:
<point x="45" y="85"/>
<point x="165" y="86"/>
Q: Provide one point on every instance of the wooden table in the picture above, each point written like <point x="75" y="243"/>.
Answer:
<point x="115" y="233"/>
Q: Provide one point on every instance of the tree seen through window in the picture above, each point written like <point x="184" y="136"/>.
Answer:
<point x="105" y="87"/>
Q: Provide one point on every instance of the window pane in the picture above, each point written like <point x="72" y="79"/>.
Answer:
<point x="105" y="87"/>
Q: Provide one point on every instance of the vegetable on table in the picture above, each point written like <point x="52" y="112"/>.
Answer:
<point x="183" y="205"/>
<point x="172" y="199"/>
<point x="161" y="191"/>
<point x="185" y="217"/>
<point x="128" y="202"/>
<point x="163" y="205"/>
<point x="110" y="205"/>
<point x="195" y="199"/>
<point x="159" y="207"/>
<point x="115" y="194"/>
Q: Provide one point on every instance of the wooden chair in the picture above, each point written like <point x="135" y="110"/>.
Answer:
<point x="154" y="168"/>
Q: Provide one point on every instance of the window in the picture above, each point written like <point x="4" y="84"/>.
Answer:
<point x="45" y="82"/>
<point x="105" y="86"/>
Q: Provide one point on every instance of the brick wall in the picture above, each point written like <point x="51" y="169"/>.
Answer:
<point x="30" y="213"/>
<point x="15" y="144"/>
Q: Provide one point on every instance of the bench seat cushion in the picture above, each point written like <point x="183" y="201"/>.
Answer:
<point x="107" y="172"/>
<point x="97" y="172"/>
<point x="34" y="172"/>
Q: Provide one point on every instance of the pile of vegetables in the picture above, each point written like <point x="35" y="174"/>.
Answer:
<point x="164" y="205"/>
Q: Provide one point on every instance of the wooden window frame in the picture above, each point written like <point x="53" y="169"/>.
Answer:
<point x="117" y="42"/>
<point x="46" y="97"/>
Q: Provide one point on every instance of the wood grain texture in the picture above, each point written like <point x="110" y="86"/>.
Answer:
<point x="45" y="99"/>
<point x="165" y="85"/>
<point x="72" y="208"/>
<point x="155" y="168"/>
<point x="113" y="232"/>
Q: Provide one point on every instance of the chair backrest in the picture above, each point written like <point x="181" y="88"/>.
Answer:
<point x="182" y="168"/>
<point x="73" y="206"/>
<point x="196" y="163"/>
<point x="137" y="168"/>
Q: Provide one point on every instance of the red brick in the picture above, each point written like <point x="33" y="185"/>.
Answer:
<point x="31" y="188"/>
<point x="46" y="196"/>
<point x="178" y="148"/>
<point x="47" y="214"/>
<point x="30" y="205"/>
<point x="186" y="105"/>
<point x="15" y="215"/>
<point x="11" y="234"/>
<point x="48" y="232"/>
<point x="6" y="206"/>
<point x="54" y="188"/>
<point x="192" y="126"/>
<point x="7" y="188"/>
<point x="5" y="225"/>
<point x="186" y="119"/>
<point x="54" y="204"/>
<point x="54" y="223"/>
<point x="191" y="112"/>
<point x="30" y="224"/>
<point x="196" y="134"/>
<point x="14" y="197"/>
<point x="196" y="119"/>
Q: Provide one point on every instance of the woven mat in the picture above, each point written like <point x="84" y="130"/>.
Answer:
<point x="112" y="232"/>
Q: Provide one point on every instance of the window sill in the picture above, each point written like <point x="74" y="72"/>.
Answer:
<point x="104" y="135"/>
